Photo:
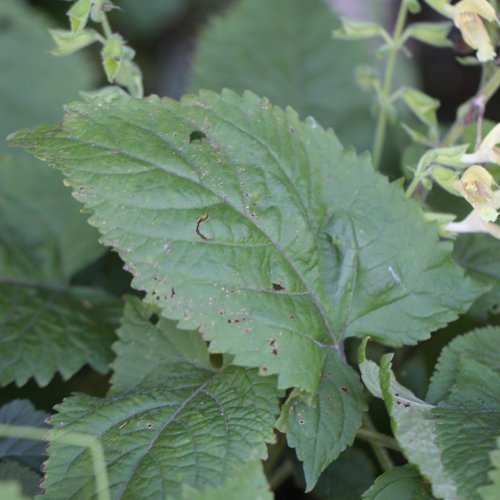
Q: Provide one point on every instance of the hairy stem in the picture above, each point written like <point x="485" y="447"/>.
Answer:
<point x="372" y="436"/>
<point x="463" y="116"/>
<point x="280" y="475"/>
<point x="379" y="449"/>
<point x="378" y="143"/>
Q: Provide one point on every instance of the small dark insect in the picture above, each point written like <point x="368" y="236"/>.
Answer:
<point x="196" y="135"/>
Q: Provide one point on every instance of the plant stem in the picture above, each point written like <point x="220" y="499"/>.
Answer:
<point x="280" y="475"/>
<point x="378" y="143"/>
<point x="378" y="449"/>
<point x="484" y="95"/>
<point x="106" y="27"/>
<point x="373" y="436"/>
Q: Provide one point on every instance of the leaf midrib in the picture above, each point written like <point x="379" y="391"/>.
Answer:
<point x="316" y="300"/>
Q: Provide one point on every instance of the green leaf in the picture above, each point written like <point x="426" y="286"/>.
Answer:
<point x="46" y="324"/>
<point x="346" y="478"/>
<point x="197" y="426"/>
<point x="27" y="478"/>
<point x="450" y="443"/>
<point x="283" y="49"/>
<point x="353" y="29"/>
<point x="256" y="228"/>
<point x="146" y="336"/>
<point x="478" y="255"/>
<point x="435" y="34"/>
<point x="26" y="452"/>
<point x="480" y="345"/>
<point x="322" y="426"/>
<point x="248" y="484"/>
<point x="490" y="492"/>
<point x="36" y="85"/>
<point x="403" y="483"/>
<point x="423" y="106"/>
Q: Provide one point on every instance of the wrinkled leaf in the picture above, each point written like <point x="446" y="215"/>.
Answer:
<point x="195" y="426"/>
<point x="258" y="229"/>
<point x="46" y="324"/>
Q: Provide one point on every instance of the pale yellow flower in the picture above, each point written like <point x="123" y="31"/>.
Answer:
<point x="476" y="186"/>
<point x="468" y="17"/>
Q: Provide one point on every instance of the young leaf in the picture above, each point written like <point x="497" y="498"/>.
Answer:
<point x="432" y="33"/>
<point x="23" y="451"/>
<point x="403" y="483"/>
<point x="321" y="427"/>
<point x="353" y="29"/>
<point x="186" y="424"/>
<point x="294" y="62"/>
<point x="47" y="325"/>
<point x="256" y="228"/>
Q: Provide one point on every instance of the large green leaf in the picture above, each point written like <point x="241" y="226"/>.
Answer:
<point x="258" y="229"/>
<point x="45" y="324"/>
<point x="34" y="85"/>
<point x="185" y="424"/>
<point x="450" y="442"/>
<point x="478" y="254"/>
<point x="321" y="427"/>
<point x="284" y="50"/>
<point x="480" y="345"/>
<point x="348" y="477"/>
<point x="403" y="483"/>
<point x="491" y="491"/>
<point x="248" y="484"/>
<point x="24" y="451"/>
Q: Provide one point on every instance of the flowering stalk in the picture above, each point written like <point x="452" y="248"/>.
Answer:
<point x="380" y="131"/>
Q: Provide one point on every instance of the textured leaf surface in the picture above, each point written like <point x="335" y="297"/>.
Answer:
<point x="403" y="483"/>
<point x="249" y="484"/>
<point x="451" y="442"/>
<point x="478" y="254"/>
<point x="321" y="427"/>
<point x="283" y="49"/>
<point x="480" y="345"/>
<point x="46" y="325"/>
<point x="34" y="85"/>
<point x="24" y="451"/>
<point x="197" y="426"/>
<point x="492" y="490"/>
<point x="348" y="477"/>
<point x="258" y="229"/>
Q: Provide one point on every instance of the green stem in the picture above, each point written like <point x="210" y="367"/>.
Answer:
<point x="71" y="438"/>
<point x="378" y="449"/>
<point x="372" y="436"/>
<point x="280" y="475"/>
<point x="106" y="27"/>
<point x="485" y="94"/>
<point x="378" y="143"/>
